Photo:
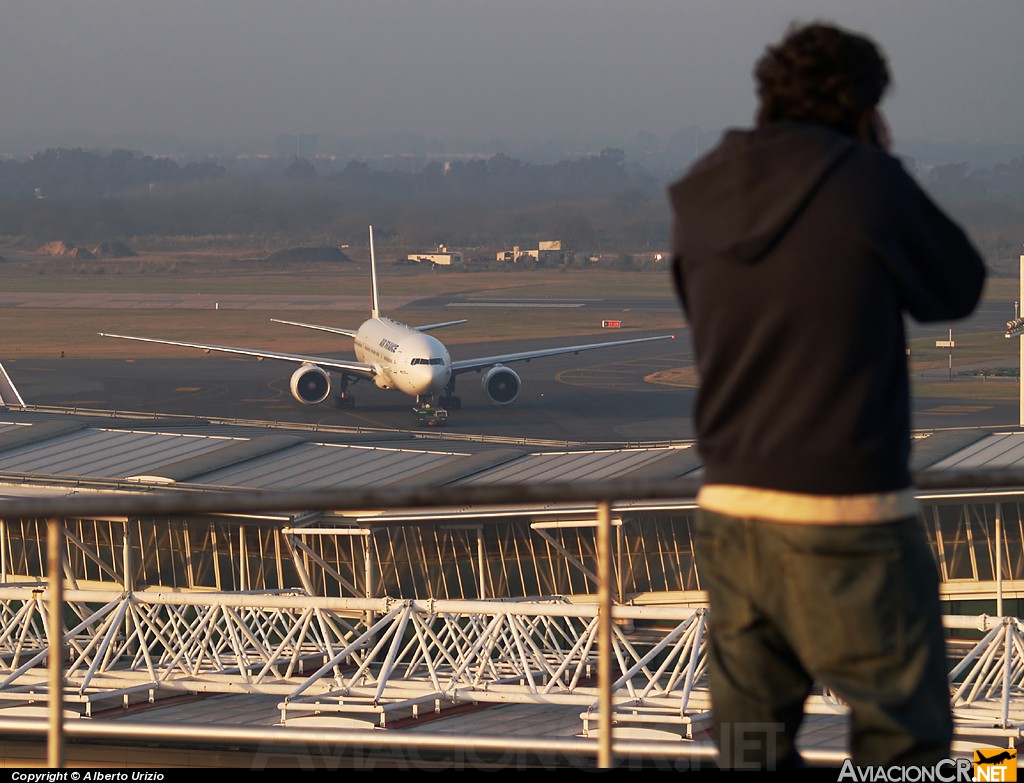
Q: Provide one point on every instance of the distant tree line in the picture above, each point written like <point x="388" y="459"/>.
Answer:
<point x="77" y="174"/>
<point x="596" y="202"/>
<point x="989" y="202"/>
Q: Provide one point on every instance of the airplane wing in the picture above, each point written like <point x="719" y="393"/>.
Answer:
<point x="332" y="329"/>
<point x="524" y="356"/>
<point x="351" y="367"/>
<point x="428" y="327"/>
<point x="352" y="332"/>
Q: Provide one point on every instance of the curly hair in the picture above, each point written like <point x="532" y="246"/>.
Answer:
<point x="819" y="73"/>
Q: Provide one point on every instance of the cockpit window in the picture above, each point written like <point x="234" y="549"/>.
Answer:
<point x="437" y="360"/>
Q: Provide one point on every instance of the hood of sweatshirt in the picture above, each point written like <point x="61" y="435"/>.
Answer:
<point x="739" y="199"/>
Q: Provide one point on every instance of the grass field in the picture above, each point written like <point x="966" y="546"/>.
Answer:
<point x="44" y="332"/>
<point x="985" y="366"/>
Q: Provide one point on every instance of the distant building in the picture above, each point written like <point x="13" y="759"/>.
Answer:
<point x="550" y="252"/>
<point x="302" y="146"/>
<point x="547" y="253"/>
<point x="516" y="254"/>
<point x="307" y="146"/>
<point x="441" y="257"/>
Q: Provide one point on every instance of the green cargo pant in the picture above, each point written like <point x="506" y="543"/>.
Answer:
<point x="854" y="608"/>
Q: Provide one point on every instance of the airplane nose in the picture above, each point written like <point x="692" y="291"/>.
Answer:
<point x="439" y="377"/>
<point x="427" y="379"/>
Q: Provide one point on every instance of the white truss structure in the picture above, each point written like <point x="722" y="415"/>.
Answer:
<point x="376" y="657"/>
<point x="378" y="661"/>
<point x="988" y="697"/>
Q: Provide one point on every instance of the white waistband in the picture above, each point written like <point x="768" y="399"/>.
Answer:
<point x="776" y="506"/>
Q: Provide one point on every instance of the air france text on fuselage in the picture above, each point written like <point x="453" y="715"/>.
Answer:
<point x="387" y="345"/>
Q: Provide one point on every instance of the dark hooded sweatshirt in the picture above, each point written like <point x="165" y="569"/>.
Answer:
<point x="798" y="251"/>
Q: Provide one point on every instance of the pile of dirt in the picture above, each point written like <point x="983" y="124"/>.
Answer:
<point x="65" y="249"/>
<point x="308" y="254"/>
<point x="56" y="249"/>
<point x="113" y="250"/>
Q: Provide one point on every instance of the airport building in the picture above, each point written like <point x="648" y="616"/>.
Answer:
<point x="442" y="257"/>
<point x="547" y="253"/>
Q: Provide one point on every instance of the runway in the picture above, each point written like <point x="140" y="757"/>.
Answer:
<point x="606" y="396"/>
<point x="597" y="396"/>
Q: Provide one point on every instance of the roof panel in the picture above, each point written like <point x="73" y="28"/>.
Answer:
<point x="327" y="465"/>
<point x="998" y="450"/>
<point x="76" y="447"/>
<point x="104" y="453"/>
<point x="559" y="467"/>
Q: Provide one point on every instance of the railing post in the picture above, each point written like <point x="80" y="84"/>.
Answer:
<point x="604" y="634"/>
<point x="55" y="643"/>
<point x="369" y="574"/>
<point x="216" y="560"/>
<point x="1010" y="633"/>
<point x="481" y="563"/>
<point x="999" y="559"/>
<point x="126" y="557"/>
<point x="620" y="593"/>
<point x="243" y="571"/>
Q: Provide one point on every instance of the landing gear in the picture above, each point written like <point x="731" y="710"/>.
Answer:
<point x="450" y="402"/>
<point x="448" y="399"/>
<point x="344" y="400"/>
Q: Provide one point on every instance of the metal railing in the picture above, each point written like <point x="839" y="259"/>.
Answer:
<point x="162" y="644"/>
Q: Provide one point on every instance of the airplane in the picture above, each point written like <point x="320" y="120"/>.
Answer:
<point x="394" y="355"/>
<point x="996" y="758"/>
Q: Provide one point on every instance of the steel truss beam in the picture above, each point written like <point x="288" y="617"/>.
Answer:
<point x="383" y="659"/>
<point x="320" y="654"/>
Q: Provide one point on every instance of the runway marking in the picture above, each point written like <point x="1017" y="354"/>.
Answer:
<point x="656" y="363"/>
<point x="599" y="372"/>
<point x="187" y="388"/>
<point x="958" y="409"/>
<point x="525" y="299"/>
<point x="621" y="375"/>
<point x="515" y="304"/>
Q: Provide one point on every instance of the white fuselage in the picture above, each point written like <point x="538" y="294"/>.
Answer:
<point x="405" y="359"/>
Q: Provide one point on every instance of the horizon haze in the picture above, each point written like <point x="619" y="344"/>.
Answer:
<point x="536" y="77"/>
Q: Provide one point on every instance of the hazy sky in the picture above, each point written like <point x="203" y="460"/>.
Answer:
<point x="478" y="69"/>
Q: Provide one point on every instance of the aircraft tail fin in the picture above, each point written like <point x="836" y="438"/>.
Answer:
<point x="375" y="299"/>
<point x="9" y="394"/>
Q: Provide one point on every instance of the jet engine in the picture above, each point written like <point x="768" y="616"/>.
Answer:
<point x="310" y="384"/>
<point x="501" y="385"/>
